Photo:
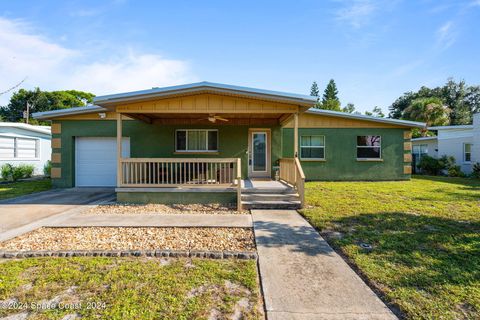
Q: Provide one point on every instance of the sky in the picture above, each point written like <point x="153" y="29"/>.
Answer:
<point x="375" y="50"/>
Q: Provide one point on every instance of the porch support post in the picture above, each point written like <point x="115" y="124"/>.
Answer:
<point x="295" y="135"/>
<point x="119" y="149"/>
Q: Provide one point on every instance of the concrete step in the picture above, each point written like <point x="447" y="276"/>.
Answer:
<point x="270" y="197"/>
<point x="271" y="204"/>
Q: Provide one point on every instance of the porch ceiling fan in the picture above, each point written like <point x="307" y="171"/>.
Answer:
<point x="213" y="118"/>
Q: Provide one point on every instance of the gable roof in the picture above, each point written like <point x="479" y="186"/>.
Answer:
<point x="206" y="87"/>
<point x="28" y="127"/>
<point x="362" y="117"/>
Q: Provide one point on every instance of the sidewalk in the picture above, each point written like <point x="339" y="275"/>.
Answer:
<point x="303" y="278"/>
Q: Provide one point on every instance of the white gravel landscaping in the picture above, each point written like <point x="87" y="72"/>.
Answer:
<point x="133" y="238"/>
<point x="130" y="208"/>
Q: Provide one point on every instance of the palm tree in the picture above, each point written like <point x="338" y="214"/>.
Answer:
<point x="432" y="111"/>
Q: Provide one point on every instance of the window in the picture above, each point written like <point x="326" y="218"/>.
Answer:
<point x="196" y="140"/>
<point x="467" y="152"/>
<point x="369" y="147"/>
<point x="21" y="148"/>
<point x="420" y="149"/>
<point x="312" y="147"/>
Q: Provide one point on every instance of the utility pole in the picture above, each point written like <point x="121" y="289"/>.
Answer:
<point x="26" y="114"/>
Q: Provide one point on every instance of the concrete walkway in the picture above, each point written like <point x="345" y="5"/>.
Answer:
<point x="156" y="220"/>
<point x="303" y="278"/>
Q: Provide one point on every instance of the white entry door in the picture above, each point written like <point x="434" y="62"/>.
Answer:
<point x="96" y="161"/>
<point x="259" y="153"/>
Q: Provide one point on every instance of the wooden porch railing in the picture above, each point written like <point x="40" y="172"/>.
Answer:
<point x="292" y="173"/>
<point x="174" y="172"/>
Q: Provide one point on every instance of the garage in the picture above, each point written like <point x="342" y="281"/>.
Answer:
<point x="96" y="161"/>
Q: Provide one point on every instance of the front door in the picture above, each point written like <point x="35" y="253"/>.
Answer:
<point x="259" y="154"/>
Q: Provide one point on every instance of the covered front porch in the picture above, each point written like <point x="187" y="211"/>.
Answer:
<point x="200" y="157"/>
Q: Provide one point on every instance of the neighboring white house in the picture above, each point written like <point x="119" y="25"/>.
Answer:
<point x="22" y="143"/>
<point x="461" y="142"/>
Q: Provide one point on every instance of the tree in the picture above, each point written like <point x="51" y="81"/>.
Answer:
<point x="40" y="101"/>
<point x="315" y="92"/>
<point x="461" y="99"/>
<point x="429" y="110"/>
<point x="349" y="108"/>
<point x="377" y="112"/>
<point x="330" y="99"/>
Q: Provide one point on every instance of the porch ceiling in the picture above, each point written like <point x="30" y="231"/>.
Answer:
<point x="202" y="118"/>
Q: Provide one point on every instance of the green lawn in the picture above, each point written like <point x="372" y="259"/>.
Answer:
<point x="425" y="235"/>
<point x="132" y="288"/>
<point x="16" y="189"/>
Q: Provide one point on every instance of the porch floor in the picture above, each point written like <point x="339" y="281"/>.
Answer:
<point x="259" y="184"/>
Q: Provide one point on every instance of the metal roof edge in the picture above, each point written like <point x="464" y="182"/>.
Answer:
<point x="203" y="85"/>
<point x="340" y="114"/>
<point x="28" y="127"/>
<point x="69" y="111"/>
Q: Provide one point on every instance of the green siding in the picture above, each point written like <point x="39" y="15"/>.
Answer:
<point x="152" y="141"/>
<point x="340" y="154"/>
<point x="159" y="141"/>
<point x="178" y="197"/>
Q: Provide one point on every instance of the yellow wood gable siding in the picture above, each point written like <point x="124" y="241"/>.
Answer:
<point x="306" y="120"/>
<point x="207" y="103"/>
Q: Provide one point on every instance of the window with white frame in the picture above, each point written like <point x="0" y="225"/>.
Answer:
<point x="369" y="147"/>
<point x="19" y="148"/>
<point x="196" y="140"/>
<point x="420" y="149"/>
<point x="467" y="152"/>
<point x="312" y="147"/>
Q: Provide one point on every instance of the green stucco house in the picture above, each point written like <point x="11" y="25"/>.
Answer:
<point x="207" y="142"/>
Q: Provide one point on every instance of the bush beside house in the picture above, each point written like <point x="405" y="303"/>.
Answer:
<point x="14" y="173"/>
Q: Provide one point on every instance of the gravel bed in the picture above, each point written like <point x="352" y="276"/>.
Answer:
<point x="133" y="238"/>
<point x="130" y="208"/>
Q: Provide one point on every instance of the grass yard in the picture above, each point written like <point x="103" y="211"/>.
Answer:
<point x="131" y="288"/>
<point x="425" y="238"/>
<point x="16" y="189"/>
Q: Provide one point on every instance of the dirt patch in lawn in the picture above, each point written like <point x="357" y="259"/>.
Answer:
<point x="133" y="238"/>
<point x="130" y="208"/>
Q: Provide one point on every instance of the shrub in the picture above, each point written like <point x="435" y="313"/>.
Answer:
<point x="430" y="165"/>
<point x="446" y="162"/>
<point x="13" y="173"/>
<point x="476" y="170"/>
<point x="47" y="168"/>
<point x="455" y="171"/>
<point x="23" y="171"/>
<point x="7" y="171"/>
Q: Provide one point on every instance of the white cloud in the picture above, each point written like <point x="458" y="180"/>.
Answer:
<point x="446" y="35"/>
<point x="52" y="66"/>
<point x="356" y="12"/>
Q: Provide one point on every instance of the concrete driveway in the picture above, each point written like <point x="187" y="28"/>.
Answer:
<point x="21" y="211"/>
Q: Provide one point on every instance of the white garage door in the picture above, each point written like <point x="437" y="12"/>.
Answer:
<point x="96" y="161"/>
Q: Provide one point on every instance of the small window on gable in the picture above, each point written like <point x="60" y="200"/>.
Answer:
<point x="369" y="147"/>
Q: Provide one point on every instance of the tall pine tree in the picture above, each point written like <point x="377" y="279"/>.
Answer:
<point x="315" y="92"/>
<point x="330" y="99"/>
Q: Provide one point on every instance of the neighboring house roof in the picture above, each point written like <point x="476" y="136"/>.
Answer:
<point x="68" y="112"/>
<point x="28" y="127"/>
<point x="466" y="126"/>
<point x="366" y="118"/>
<point x="205" y="86"/>
<point x="424" y="138"/>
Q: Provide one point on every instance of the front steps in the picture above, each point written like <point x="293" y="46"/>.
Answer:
<point x="280" y="196"/>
